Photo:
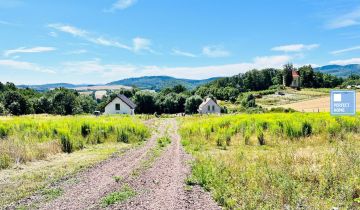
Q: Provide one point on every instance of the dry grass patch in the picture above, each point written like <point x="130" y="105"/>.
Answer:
<point x="25" y="179"/>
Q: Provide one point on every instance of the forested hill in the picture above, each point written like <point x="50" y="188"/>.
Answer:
<point x="340" y="71"/>
<point x="159" y="82"/>
<point x="256" y="80"/>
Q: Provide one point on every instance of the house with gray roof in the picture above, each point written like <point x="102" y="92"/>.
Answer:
<point x="120" y="105"/>
<point x="209" y="106"/>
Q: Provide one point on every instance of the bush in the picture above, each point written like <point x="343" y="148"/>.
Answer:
<point x="3" y="132"/>
<point x="123" y="136"/>
<point x="66" y="144"/>
<point x="85" y="130"/>
<point x="192" y="104"/>
<point x="306" y="129"/>
<point x="261" y="138"/>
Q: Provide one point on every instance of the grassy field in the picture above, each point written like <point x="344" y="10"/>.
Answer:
<point x="29" y="138"/>
<point x="276" y="161"/>
<point x="270" y="99"/>
<point x="292" y="96"/>
<point x="319" y="104"/>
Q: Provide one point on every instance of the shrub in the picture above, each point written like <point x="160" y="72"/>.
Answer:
<point x="261" y="138"/>
<point x="123" y="136"/>
<point x="85" y="130"/>
<point x="66" y="144"/>
<point x="306" y="129"/>
<point x="3" y="132"/>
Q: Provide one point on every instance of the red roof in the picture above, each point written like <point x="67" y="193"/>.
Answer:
<point x="295" y="74"/>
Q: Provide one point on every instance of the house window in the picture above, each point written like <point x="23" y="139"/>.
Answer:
<point x="208" y="108"/>
<point x="213" y="108"/>
<point x="117" y="106"/>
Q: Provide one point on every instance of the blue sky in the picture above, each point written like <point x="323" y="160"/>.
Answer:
<point x="82" y="41"/>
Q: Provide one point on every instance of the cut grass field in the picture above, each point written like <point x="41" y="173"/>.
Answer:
<point x="319" y="104"/>
<point x="276" y="161"/>
<point x="292" y="96"/>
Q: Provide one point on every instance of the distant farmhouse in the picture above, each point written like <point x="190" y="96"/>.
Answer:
<point x="296" y="80"/>
<point x="120" y="105"/>
<point x="209" y="106"/>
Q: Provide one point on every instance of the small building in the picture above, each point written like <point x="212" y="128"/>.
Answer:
<point x="296" y="80"/>
<point x="120" y="105"/>
<point x="209" y="106"/>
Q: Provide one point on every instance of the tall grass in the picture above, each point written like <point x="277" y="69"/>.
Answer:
<point x="276" y="161"/>
<point x="28" y="138"/>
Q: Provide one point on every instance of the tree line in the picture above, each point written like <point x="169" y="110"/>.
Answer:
<point x="229" y="88"/>
<point x="176" y="99"/>
<point x="59" y="101"/>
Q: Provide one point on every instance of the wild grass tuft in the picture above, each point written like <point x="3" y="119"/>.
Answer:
<point x="124" y="194"/>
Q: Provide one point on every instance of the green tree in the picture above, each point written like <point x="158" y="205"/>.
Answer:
<point x="42" y="105"/>
<point x="179" y="88"/>
<point x="65" y="102"/>
<point x="87" y="103"/>
<point x="192" y="104"/>
<point x="248" y="100"/>
<point x="287" y="73"/>
<point x="16" y="103"/>
<point x="307" y="76"/>
<point x="145" y="102"/>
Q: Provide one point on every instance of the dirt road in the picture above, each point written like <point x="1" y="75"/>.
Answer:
<point x="160" y="185"/>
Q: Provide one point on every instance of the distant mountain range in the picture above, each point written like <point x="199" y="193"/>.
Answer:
<point x="147" y="82"/>
<point x="340" y="71"/>
<point x="160" y="82"/>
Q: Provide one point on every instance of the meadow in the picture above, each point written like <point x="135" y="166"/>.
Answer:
<point x="276" y="161"/>
<point x="36" y="137"/>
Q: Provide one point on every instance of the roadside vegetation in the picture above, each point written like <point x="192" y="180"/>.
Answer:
<point x="29" y="138"/>
<point x="122" y="195"/>
<point x="276" y="160"/>
<point x="26" y="179"/>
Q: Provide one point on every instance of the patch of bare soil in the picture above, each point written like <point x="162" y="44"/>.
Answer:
<point x="162" y="186"/>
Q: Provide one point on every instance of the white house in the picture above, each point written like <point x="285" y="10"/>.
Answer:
<point x="209" y="106"/>
<point x="120" y="105"/>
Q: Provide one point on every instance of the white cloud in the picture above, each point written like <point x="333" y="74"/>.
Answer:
<point x="53" y="34"/>
<point x="21" y="65"/>
<point x="142" y="44"/>
<point x="121" y="5"/>
<point x="215" y="51"/>
<point x="69" y="29"/>
<point x="295" y="47"/>
<point x="346" y="61"/>
<point x="350" y="19"/>
<point x="139" y="44"/>
<point x="345" y="50"/>
<point x="183" y="53"/>
<point x="108" y="43"/>
<point x="28" y="50"/>
<point x="76" y="52"/>
<point x="119" y="71"/>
